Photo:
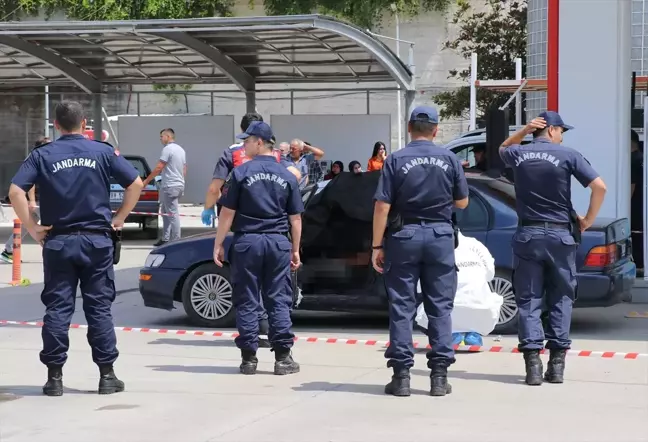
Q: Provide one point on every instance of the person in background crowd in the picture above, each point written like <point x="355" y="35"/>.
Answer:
<point x="336" y="168"/>
<point x="355" y="167"/>
<point x="302" y="155"/>
<point x="7" y="253"/>
<point x="636" y="199"/>
<point x="480" y="157"/>
<point x="173" y="168"/>
<point x="284" y="148"/>
<point x="377" y="157"/>
<point x="315" y="172"/>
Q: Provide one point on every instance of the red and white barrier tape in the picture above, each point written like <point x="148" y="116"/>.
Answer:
<point x="347" y="341"/>
<point x="138" y="213"/>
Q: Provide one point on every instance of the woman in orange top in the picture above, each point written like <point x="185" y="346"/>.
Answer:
<point x="377" y="157"/>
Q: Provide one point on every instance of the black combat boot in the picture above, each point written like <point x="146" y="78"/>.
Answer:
<point x="54" y="385"/>
<point x="400" y="383"/>
<point x="249" y="362"/>
<point x="556" y="367"/>
<point x="533" y="365"/>
<point x="108" y="382"/>
<point x="284" y="363"/>
<point x="439" y="385"/>
<point x="264" y="329"/>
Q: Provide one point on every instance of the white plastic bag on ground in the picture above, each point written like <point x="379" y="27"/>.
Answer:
<point x="476" y="307"/>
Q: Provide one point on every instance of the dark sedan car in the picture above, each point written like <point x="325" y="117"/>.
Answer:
<point x="337" y="274"/>
<point x="148" y="205"/>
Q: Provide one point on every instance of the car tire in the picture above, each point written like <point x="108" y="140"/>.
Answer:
<point x="502" y="284"/>
<point x="207" y="297"/>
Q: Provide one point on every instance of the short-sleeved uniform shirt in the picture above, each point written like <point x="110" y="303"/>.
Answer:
<point x="234" y="156"/>
<point x="422" y="181"/>
<point x="303" y="165"/>
<point x="73" y="178"/>
<point x="263" y="193"/>
<point x="543" y="172"/>
<point x="173" y="173"/>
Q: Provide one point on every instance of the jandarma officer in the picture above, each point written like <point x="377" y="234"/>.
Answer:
<point x="260" y="203"/>
<point x="73" y="175"/>
<point x="233" y="157"/>
<point x="421" y="183"/>
<point x="545" y="243"/>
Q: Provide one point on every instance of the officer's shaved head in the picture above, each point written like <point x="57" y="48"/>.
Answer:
<point x="248" y="119"/>
<point x="69" y="116"/>
<point x="423" y="129"/>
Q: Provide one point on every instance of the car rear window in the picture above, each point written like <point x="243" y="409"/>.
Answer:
<point x="502" y="190"/>
<point x="138" y="164"/>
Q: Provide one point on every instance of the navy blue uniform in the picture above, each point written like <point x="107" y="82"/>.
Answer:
<point x="421" y="182"/>
<point x="263" y="193"/>
<point x="73" y="175"/>
<point x="544" y="248"/>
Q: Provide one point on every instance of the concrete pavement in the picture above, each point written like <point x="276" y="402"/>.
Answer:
<point x="189" y="389"/>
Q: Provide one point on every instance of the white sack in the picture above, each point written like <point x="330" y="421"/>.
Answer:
<point x="476" y="307"/>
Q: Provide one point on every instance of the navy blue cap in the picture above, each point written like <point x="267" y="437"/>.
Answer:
<point x="553" y="119"/>
<point x="426" y="114"/>
<point x="257" y="129"/>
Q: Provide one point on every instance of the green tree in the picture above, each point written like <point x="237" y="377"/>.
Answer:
<point x="498" y="36"/>
<point x="364" y="13"/>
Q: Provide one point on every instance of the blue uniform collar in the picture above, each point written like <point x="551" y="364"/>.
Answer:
<point x="71" y="137"/>
<point x="265" y="158"/>
<point x="543" y="140"/>
<point x="420" y="143"/>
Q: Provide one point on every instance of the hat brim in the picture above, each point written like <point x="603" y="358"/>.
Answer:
<point x="243" y="136"/>
<point x="566" y="127"/>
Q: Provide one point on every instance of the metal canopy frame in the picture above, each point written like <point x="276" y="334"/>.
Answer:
<point x="245" y="51"/>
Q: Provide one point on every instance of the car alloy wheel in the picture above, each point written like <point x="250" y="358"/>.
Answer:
<point x="504" y="288"/>
<point x="211" y="296"/>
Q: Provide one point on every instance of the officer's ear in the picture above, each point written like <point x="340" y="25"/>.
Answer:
<point x="409" y="127"/>
<point x="434" y="132"/>
<point x="83" y="125"/>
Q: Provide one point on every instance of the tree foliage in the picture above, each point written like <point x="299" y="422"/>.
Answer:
<point x="117" y="9"/>
<point x="364" y="13"/>
<point x="498" y="36"/>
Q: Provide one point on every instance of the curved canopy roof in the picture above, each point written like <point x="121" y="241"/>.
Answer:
<point x="245" y="51"/>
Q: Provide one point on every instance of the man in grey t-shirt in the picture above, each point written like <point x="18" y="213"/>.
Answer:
<point x="173" y="169"/>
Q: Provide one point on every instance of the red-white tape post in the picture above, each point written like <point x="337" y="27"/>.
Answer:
<point x="347" y="341"/>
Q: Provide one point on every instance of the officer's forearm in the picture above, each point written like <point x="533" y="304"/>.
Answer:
<point x="131" y="197"/>
<point x="32" y="195"/>
<point x="20" y="205"/>
<point x="596" y="198"/>
<point x="225" y="221"/>
<point x="295" y="231"/>
<point x="381" y="212"/>
<point x="213" y="193"/>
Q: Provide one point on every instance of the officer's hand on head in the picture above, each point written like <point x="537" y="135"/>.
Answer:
<point x="295" y="261"/>
<point x="536" y="124"/>
<point x="208" y="216"/>
<point x="378" y="259"/>
<point x="219" y="255"/>
<point x="39" y="233"/>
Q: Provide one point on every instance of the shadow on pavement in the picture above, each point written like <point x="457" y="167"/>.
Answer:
<point x="215" y="342"/>
<point x="371" y="389"/>
<point x="19" y="391"/>
<point x="471" y="376"/>
<point x="202" y="369"/>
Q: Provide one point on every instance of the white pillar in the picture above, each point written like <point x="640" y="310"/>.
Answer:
<point x="594" y="95"/>
<point x="473" y="92"/>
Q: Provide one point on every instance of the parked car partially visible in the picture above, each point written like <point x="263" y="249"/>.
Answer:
<point x="148" y="205"/>
<point x="336" y="250"/>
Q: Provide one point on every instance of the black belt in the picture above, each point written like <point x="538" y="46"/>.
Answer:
<point x="66" y="231"/>
<point x="261" y="233"/>
<point x="423" y="221"/>
<point x="545" y="224"/>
